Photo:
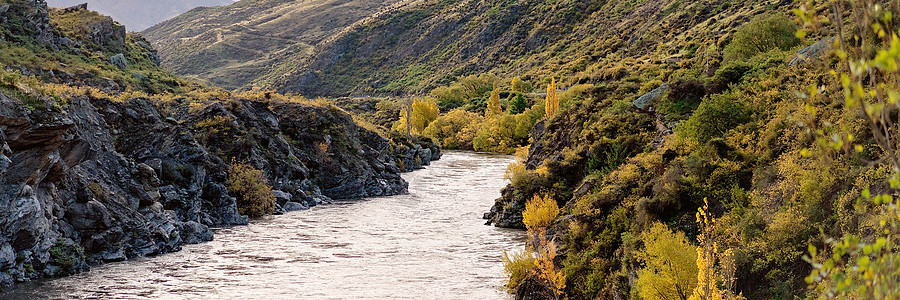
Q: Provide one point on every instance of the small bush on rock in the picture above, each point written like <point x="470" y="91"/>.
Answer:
<point x="254" y="194"/>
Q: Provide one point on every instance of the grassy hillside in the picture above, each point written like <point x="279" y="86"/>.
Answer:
<point x="414" y="48"/>
<point x="233" y="45"/>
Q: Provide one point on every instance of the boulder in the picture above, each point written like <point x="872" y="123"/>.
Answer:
<point x="194" y="233"/>
<point x="119" y="61"/>
<point x="281" y="197"/>
<point x="812" y="52"/>
<point x="643" y="102"/>
<point x="293" y="206"/>
<point x="7" y="256"/>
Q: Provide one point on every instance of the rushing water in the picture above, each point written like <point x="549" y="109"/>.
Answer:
<point x="430" y="244"/>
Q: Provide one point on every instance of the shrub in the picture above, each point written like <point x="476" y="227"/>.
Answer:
<point x="761" y="34"/>
<point x="521" y="86"/>
<point x="254" y="194"/>
<point x="517" y="267"/>
<point x="539" y="212"/>
<point x="715" y="116"/>
<point x="682" y="95"/>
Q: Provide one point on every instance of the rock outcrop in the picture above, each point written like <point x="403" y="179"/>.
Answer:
<point x="114" y="180"/>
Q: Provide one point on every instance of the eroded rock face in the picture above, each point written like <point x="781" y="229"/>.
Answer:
<point x="129" y="179"/>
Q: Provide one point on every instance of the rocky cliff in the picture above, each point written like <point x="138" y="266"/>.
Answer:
<point x="92" y="174"/>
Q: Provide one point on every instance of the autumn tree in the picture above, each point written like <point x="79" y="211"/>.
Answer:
<point x="551" y="104"/>
<point x="706" y="258"/>
<point x="421" y="112"/>
<point x="670" y="271"/>
<point x="493" y="104"/>
<point x="864" y="263"/>
<point x="455" y="129"/>
<point x="539" y="213"/>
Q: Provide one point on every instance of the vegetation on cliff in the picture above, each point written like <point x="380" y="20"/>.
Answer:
<point x="760" y="170"/>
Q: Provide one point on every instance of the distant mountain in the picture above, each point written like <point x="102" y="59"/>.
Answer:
<point x="138" y="15"/>
<point x="234" y="45"/>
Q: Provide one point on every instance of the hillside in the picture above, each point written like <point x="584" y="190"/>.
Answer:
<point x="105" y="157"/>
<point x="231" y="46"/>
<point x="137" y="19"/>
<point x="420" y="46"/>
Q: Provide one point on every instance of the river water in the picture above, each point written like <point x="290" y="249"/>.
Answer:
<point x="430" y="244"/>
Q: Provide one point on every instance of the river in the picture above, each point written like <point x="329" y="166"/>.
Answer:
<point x="429" y="244"/>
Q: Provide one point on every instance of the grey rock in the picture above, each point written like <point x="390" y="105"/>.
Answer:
<point x="144" y="45"/>
<point x="7" y="256"/>
<point x="643" y="102"/>
<point x="281" y="197"/>
<point x="812" y="52"/>
<point x="90" y="216"/>
<point x="293" y="206"/>
<point x="119" y="61"/>
<point x="195" y="233"/>
<point x="140" y="77"/>
<point x="114" y="254"/>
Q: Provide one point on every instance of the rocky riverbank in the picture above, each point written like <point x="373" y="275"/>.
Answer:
<point x="95" y="176"/>
<point x="106" y="181"/>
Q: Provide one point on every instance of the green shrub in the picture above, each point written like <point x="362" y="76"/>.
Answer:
<point x="761" y="34"/>
<point x="715" y="116"/>
<point x="254" y="194"/>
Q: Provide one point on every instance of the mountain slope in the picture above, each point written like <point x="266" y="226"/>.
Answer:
<point x="137" y="16"/>
<point x="411" y="49"/>
<point x="232" y="45"/>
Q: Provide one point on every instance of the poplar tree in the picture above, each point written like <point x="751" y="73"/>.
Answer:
<point x="552" y="102"/>
<point x="493" y="104"/>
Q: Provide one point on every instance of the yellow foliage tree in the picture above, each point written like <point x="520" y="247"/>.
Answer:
<point x="421" y="112"/>
<point x="544" y="266"/>
<point x="455" y="130"/>
<point x="669" y="269"/>
<point x="538" y="215"/>
<point x="493" y="104"/>
<point x="551" y="104"/>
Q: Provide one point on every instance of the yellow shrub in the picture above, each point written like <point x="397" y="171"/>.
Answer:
<point x="517" y="266"/>
<point x="539" y="213"/>
<point x="254" y="194"/>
